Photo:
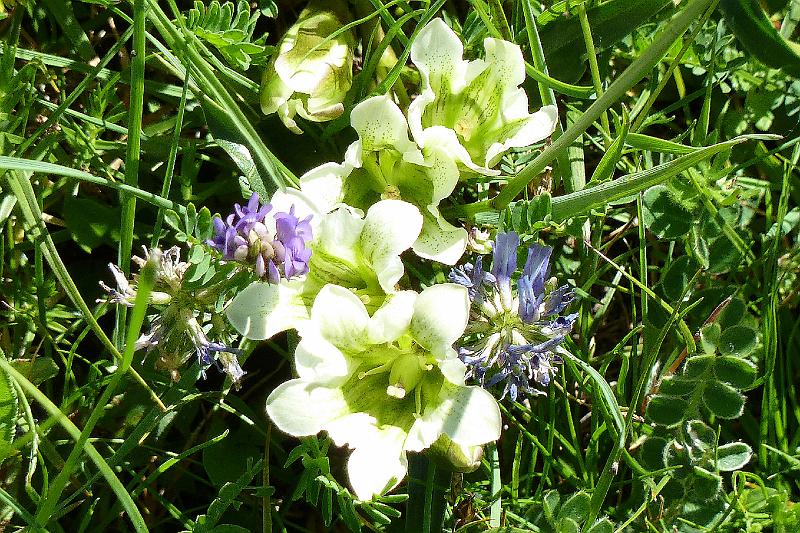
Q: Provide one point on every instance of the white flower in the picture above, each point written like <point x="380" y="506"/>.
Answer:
<point x="361" y="253"/>
<point x="385" y="163"/>
<point x="385" y="384"/>
<point x="474" y="109"/>
<point x="310" y="73"/>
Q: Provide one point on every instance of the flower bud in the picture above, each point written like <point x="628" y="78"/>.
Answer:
<point x="311" y="71"/>
<point x="458" y="458"/>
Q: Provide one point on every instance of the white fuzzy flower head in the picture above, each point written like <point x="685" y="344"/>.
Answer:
<point x="476" y="109"/>
<point x="385" y="384"/>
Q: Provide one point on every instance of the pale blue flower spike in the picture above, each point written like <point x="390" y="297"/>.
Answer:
<point x="514" y="336"/>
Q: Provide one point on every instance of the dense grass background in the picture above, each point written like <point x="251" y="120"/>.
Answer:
<point x="117" y="126"/>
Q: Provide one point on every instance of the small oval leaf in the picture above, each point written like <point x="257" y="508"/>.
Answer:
<point x="723" y="400"/>
<point x="733" y="456"/>
<point x="666" y="410"/>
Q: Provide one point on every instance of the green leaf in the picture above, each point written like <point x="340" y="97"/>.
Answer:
<point x="700" y="436"/>
<point x="662" y="215"/>
<point x="190" y="219"/>
<point x="654" y="144"/>
<point x="576" y="506"/>
<point x="231" y="457"/>
<point x="738" y="340"/>
<point x="706" y="485"/>
<point x="733" y="456"/>
<point x="759" y="37"/>
<point x="677" y="386"/>
<point x="8" y="408"/>
<point x="652" y="453"/>
<point x="723" y="400"/>
<point x="567" y="525"/>
<point x="205" y="227"/>
<point x="680" y="272"/>
<point x="602" y="526"/>
<point x="196" y="272"/>
<point x="173" y="220"/>
<point x="36" y="370"/>
<point x="91" y="223"/>
<point x="709" y="337"/>
<point x="583" y="201"/>
<point x="723" y="256"/>
<point x="666" y="410"/>
<point x="234" y="145"/>
<point x="698" y="366"/>
<point x="735" y="371"/>
<point x="327" y="506"/>
<point x="732" y="314"/>
<point x="605" y="168"/>
<point x="348" y="511"/>
<point x="550" y="504"/>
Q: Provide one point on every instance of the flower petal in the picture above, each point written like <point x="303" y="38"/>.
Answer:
<point x="468" y="415"/>
<point x="440" y="316"/>
<point x="319" y="361"/>
<point x="380" y="124"/>
<point x="378" y="467"/>
<point x="393" y="318"/>
<point x="524" y="132"/>
<point x="390" y="227"/>
<point x="354" y="429"/>
<point x="324" y="185"/>
<point x="263" y="309"/>
<point x="301" y="408"/>
<point x="340" y="318"/>
<point x="437" y="52"/>
<point x="439" y="240"/>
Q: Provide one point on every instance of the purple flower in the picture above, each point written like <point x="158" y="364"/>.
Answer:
<point x="504" y="259"/>
<point x="473" y="278"/>
<point x="274" y="245"/>
<point x="513" y="336"/>
<point x="223" y="357"/>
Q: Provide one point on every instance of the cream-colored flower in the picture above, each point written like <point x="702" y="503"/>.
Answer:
<point x="474" y="109"/>
<point x="385" y="384"/>
<point x="311" y="71"/>
<point x="359" y="252"/>
<point x="385" y="163"/>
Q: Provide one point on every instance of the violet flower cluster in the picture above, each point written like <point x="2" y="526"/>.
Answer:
<point x="515" y="331"/>
<point x="179" y="329"/>
<point x="274" y="245"/>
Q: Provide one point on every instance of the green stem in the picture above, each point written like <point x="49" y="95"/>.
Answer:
<point x="546" y="92"/>
<point x="496" y="491"/>
<point x="26" y="199"/>
<point x="173" y="155"/>
<point x="133" y="156"/>
<point x="29" y="165"/>
<point x="632" y="75"/>
<point x="113" y="482"/>
<point x="591" y="53"/>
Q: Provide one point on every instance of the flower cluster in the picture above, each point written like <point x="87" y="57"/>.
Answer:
<point x="376" y="364"/>
<point x="515" y="335"/>
<point x="275" y="245"/>
<point x="175" y="331"/>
